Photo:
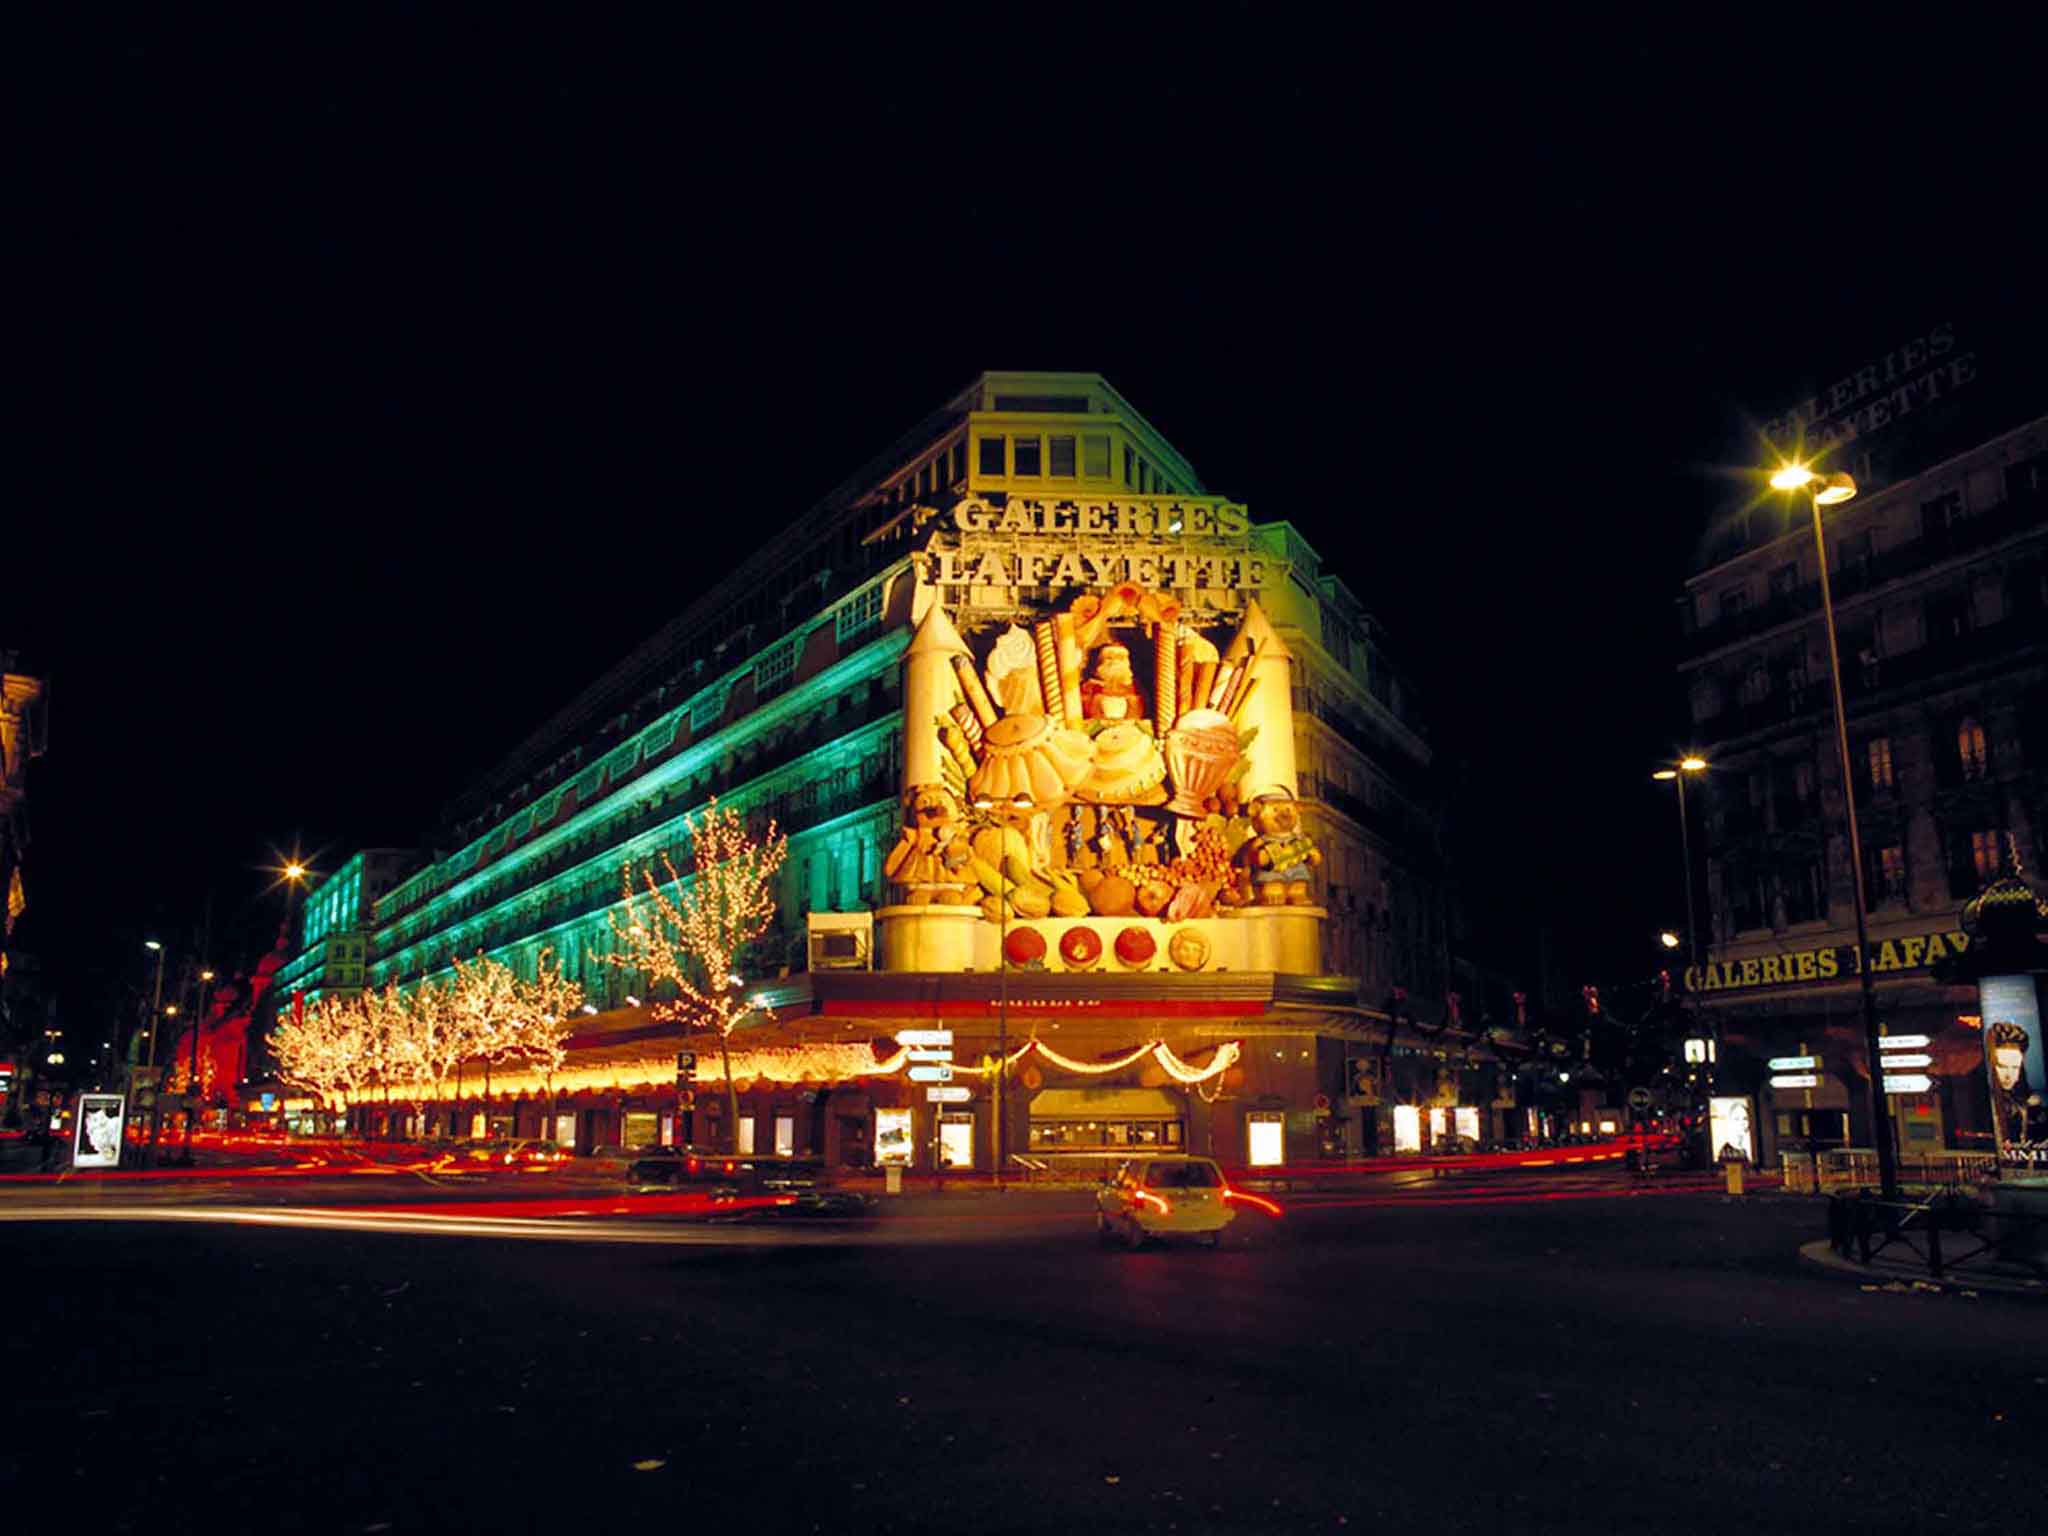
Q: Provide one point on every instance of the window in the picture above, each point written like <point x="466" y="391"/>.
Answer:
<point x="1748" y="904"/>
<point x="1785" y="579"/>
<point x="1984" y="852"/>
<point x="1878" y="755"/>
<point x="774" y="670"/>
<point x="1060" y="452"/>
<point x="859" y="614"/>
<point x="2027" y="479"/>
<point x="1948" y="618"/>
<point x="1756" y="683"/>
<point x="959" y="467"/>
<point x="1130" y="460"/>
<point x="1095" y="457"/>
<point x="1805" y="893"/>
<point x="991" y="455"/>
<point x="1733" y="601"/>
<point x="1803" y="783"/>
<point x="1853" y="550"/>
<point x="785" y="1135"/>
<point x="1891" y="873"/>
<point x="1971" y="749"/>
<point x="1025" y="458"/>
<point x="706" y="711"/>
<point x="1942" y="513"/>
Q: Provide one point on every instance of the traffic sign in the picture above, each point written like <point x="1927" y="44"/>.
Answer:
<point x="1795" y="1080"/>
<point x="959" y="1094"/>
<point x="1793" y="1063"/>
<point x="941" y="1074"/>
<point x="686" y="1064"/>
<point x="1908" y="1082"/>
<point x="1639" y="1098"/>
<point x="931" y="1053"/>
<point x="924" y="1037"/>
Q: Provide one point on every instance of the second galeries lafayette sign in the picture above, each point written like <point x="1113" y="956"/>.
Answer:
<point x="1916" y="952"/>
<point x="1156" y="542"/>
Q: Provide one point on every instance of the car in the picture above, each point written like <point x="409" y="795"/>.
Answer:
<point x="684" y="1168"/>
<point x="535" y="1154"/>
<point x="1164" y="1196"/>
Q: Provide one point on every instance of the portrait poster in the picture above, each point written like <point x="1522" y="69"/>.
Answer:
<point x="2016" y="1067"/>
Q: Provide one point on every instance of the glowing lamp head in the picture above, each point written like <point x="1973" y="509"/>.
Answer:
<point x="1792" y="477"/>
<point x="1837" y="489"/>
<point x="295" y="871"/>
<point x="1693" y="764"/>
<point x="151" y="944"/>
<point x="1668" y="939"/>
<point x="1665" y="775"/>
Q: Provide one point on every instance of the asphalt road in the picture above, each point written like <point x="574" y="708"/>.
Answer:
<point x="1504" y="1362"/>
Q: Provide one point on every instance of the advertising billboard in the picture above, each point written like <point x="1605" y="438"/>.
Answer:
<point x="1728" y="1121"/>
<point x="97" y="1141"/>
<point x="2014" y="1063"/>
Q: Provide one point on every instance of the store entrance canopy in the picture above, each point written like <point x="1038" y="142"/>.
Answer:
<point x="1106" y="1104"/>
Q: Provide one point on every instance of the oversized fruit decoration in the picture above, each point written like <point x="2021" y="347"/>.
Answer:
<point x="1136" y="947"/>
<point x="1024" y="946"/>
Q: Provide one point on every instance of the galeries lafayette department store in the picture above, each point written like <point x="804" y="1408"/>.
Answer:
<point x="1100" y="891"/>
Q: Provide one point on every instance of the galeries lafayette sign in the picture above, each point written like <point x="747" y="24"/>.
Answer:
<point x="1915" y="953"/>
<point x="1161" y="542"/>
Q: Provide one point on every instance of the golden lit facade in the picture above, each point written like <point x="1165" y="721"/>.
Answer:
<point x="1077" y="764"/>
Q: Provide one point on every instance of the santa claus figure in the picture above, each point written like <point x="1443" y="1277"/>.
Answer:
<point x="1111" y="693"/>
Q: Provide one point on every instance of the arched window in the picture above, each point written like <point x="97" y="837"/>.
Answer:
<point x="1971" y="749"/>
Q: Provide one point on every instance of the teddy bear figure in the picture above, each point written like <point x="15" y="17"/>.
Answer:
<point x="931" y="857"/>
<point x="1274" y="864"/>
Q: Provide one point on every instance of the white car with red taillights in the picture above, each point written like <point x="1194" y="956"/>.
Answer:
<point x="1166" y="1196"/>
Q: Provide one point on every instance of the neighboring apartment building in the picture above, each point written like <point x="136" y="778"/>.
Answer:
<point x="1940" y="590"/>
<point x="331" y="947"/>
<point x="781" y="692"/>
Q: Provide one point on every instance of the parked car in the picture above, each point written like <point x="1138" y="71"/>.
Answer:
<point x="1164" y="1196"/>
<point x="684" y="1168"/>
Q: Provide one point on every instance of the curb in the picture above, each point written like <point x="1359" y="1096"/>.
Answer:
<point x="1896" y="1278"/>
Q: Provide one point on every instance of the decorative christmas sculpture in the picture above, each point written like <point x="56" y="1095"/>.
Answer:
<point x="1275" y="863"/>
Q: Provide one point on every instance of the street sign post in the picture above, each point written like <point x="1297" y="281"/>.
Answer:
<point x="959" y="1093"/>
<point x="940" y="1074"/>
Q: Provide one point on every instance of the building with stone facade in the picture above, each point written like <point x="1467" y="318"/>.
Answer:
<point x="1940" y="590"/>
<point x="1018" y="598"/>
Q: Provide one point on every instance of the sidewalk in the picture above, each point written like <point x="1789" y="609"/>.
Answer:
<point x="1897" y="1270"/>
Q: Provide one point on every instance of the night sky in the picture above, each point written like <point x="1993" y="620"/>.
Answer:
<point x="387" y="378"/>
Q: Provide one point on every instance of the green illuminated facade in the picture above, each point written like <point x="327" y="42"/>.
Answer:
<point x="781" y="692"/>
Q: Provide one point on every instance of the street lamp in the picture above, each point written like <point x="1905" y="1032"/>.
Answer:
<point x="192" y="1074"/>
<point x="1677" y="773"/>
<point x="1828" y="491"/>
<point x="1014" y="803"/>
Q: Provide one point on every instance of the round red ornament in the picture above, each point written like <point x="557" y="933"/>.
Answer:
<point x="1135" y="946"/>
<point x="1080" y="947"/>
<point x="1024" y="946"/>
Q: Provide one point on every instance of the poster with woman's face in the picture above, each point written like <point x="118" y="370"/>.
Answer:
<point x="2014" y="1064"/>
<point x="98" y="1143"/>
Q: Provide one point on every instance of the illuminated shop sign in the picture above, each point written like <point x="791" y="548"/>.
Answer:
<point x="1918" y="373"/>
<point x="1028" y="543"/>
<point x="1915" y="953"/>
<point x="1465" y="1121"/>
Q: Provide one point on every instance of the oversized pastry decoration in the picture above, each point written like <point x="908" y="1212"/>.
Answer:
<point x="1091" y="763"/>
<point x="1013" y="674"/>
<point x="1128" y="769"/>
<point x="1025" y="755"/>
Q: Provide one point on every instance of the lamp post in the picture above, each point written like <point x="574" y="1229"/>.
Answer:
<point x="156" y="1025"/>
<point x="192" y="1073"/>
<point x="1677" y="773"/>
<point x="1015" y="803"/>
<point x="1828" y="491"/>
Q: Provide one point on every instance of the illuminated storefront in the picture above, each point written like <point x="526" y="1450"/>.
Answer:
<point x="1076" y="761"/>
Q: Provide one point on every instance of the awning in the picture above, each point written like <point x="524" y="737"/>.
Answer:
<point x="1105" y="1104"/>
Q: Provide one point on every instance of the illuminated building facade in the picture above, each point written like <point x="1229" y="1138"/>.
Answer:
<point x="1940" y="590"/>
<point x="331" y="944"/>
<point x="1029" y="596"/>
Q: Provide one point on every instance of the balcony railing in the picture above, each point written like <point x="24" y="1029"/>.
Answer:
<point x="2017" y="515"/>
